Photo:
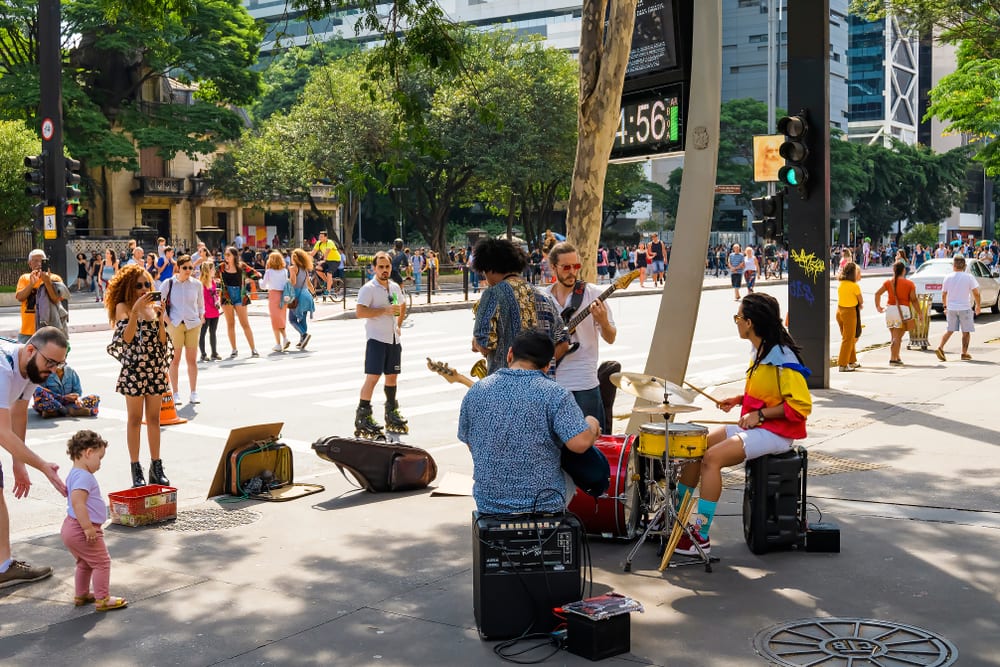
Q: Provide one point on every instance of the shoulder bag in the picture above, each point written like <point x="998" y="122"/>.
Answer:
<point x="908" y="322"/>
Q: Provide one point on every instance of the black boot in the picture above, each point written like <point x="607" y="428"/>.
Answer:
<point x="156" y="474"/>
<point x="137" y="477"/>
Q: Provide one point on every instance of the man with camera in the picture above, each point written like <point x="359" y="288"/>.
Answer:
<point x="40" y="293"/>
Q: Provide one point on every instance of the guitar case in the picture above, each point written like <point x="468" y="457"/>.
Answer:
<point x="379" y="466"/>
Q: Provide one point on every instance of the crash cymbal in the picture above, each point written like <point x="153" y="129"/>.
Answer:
<point x="651" y="387"/>
<point x="666" y="409"/>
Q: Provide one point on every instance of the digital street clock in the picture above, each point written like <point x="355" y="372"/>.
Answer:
<point x="650" y="123"/>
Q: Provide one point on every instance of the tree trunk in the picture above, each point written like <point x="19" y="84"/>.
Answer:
<point x="350" y="220"/>
<point x="603" y="58"/>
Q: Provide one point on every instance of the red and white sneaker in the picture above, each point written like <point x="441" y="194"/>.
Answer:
<point x="685" y="547"/>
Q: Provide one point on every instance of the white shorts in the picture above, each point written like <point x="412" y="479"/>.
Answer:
<point x="759" y="441"/>
<point x="960" y="320"/>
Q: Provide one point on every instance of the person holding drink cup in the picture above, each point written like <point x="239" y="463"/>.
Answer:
<point x="380" y="305"/>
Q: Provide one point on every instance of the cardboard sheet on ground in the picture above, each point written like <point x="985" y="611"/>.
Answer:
<point x="243" y="436"/>
<point x="454" y="484"/>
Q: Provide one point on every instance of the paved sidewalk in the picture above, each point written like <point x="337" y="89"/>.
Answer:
<point x="904" y="460"/>
<point x="346" y="578"/>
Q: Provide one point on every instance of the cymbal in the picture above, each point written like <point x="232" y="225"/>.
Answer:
<point x="666" y="409"/>
<point x="650" y="387"/>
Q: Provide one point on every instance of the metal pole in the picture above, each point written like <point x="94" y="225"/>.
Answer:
<point x="50" y="116"/>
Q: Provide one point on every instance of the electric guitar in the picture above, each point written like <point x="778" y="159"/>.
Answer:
<point x="590" y="470"/>
<point x="621" y="282"/>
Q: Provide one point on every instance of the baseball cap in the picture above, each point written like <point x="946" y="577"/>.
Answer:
<point x="37" y="252"/>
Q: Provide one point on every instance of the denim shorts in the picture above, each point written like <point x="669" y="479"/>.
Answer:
<point x="657" y="266"/>
<point x="960" y="320"/>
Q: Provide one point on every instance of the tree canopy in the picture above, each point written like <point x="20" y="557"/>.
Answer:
<point x="114" y="56"/>
<point x="968" y="99"/>
<point x="16" y="141"/>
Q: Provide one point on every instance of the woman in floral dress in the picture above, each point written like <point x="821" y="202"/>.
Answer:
<point x="141" y="344"/>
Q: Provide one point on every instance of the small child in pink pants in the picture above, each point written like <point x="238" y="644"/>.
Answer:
<point x="81" y="531"/>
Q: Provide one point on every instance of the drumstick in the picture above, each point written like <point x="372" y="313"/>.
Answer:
<point x="702" y="392"/>
<point x="677" y="529"/>
<point x="713" y="421"/>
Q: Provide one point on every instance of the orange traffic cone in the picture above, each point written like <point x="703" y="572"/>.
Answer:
<point x="168" y="413"/>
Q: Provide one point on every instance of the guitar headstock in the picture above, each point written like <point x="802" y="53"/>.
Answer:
<point x="443" y="369"/>
<point x="626" y="279"/>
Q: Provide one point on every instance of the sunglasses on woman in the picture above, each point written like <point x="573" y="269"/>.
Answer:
<point x="143" y="285"/>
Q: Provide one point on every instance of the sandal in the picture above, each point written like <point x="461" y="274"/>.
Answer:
<point x="966" y="357"/>
<point x="83" y="600"/>
<point x="111" y="602"/>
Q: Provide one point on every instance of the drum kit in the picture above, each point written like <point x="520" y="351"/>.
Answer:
<point x="642" y="501"/>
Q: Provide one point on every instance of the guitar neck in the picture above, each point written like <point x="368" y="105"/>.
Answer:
<point x="585" y="313"/>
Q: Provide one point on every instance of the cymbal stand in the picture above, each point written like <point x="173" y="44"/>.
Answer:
<point x="661" y="501"/>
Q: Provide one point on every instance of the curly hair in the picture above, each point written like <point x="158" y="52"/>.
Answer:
<point x="498" y="256"/>
<point x="302" y="259"/>
<point x="764" y="314"/>
<point x="122" y="287"/>
<point x="82" y="441"/>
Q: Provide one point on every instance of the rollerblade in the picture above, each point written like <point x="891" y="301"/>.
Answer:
<point x="365" y="425"/>
<point x="394" y="422"/>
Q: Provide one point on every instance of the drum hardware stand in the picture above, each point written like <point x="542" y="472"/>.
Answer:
<point x="665" y="512"/>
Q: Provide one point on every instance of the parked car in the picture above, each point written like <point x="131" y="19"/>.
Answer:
<point x="931" y="274"/>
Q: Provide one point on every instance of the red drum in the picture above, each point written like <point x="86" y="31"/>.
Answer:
<point x="615" y="514"/>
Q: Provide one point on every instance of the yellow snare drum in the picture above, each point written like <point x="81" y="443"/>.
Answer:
<point x="686" y="441"/>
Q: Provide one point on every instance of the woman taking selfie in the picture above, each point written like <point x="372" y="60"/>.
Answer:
<point x="236" y="278"/>
<point x="140" y="344"/>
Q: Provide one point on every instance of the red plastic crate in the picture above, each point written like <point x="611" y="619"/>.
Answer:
<point x="143" y="505"/>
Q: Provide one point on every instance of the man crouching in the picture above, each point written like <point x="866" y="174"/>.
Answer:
<point x="510" y="421"/>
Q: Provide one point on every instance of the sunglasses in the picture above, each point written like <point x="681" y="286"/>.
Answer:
<point x="737" y="318"/>
<point x="143" y="285"/>
<point x="187" y="267"/>
<point x="49" y="363"/>
<point x="575" y="267"/>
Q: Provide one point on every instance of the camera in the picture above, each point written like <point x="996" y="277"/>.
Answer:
<point x="45" y="265"/>
<point x="156" y="296"/>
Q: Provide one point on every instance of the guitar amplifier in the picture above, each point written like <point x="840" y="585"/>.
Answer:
<point x="523" y="565"/>
<point x="774" y="501"/>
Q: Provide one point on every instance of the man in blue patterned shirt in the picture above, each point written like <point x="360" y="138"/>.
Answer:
<point x="510" y="304"/>
<point x="510" y="420"/>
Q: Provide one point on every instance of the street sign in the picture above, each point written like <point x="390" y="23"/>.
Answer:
<point x="49" y="222"/>
<point x="728" y="189"/>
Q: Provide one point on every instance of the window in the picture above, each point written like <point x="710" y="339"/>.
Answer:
<point x="749" y="3"/>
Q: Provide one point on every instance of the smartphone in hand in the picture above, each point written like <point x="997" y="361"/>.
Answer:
<point x="156" y="296"/>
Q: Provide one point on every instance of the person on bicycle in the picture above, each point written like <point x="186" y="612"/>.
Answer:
<point x="328" y="254"/>
<point x="399" y="262"/>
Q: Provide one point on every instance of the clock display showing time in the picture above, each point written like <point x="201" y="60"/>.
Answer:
<point x="649" y="123"/>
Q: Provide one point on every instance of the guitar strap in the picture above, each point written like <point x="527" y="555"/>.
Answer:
<point x="575" y="299"/>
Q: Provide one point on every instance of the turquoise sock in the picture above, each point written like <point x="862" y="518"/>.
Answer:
<point x="682" y="490"/>
<point x="706" y="512"/>
<point x="4" y="566"/>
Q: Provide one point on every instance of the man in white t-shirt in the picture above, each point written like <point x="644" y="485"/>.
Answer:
<point x="958" y="294"/>
<point x="577" y="370"/>
<point x="22" y="368"/>
<point x="380" y="304"/>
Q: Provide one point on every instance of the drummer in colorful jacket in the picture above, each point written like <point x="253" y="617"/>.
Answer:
<point x="774" y="406"/>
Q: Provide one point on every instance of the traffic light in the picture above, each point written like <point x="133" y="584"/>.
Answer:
<point x="795" y="150"/>
<point x="769" y="216"/>
<point x="35" y="176"/>
<point x="72" y="180"/>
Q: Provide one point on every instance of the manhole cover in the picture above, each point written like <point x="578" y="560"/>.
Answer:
<point x="853" y="642"/>
<point x="211" y="518"/>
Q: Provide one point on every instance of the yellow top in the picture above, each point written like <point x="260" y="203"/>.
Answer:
<point x="329" y="248"/>
<point x="848" y="293"/>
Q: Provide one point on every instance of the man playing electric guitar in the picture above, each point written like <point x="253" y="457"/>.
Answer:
<point x="577" y="370"/>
